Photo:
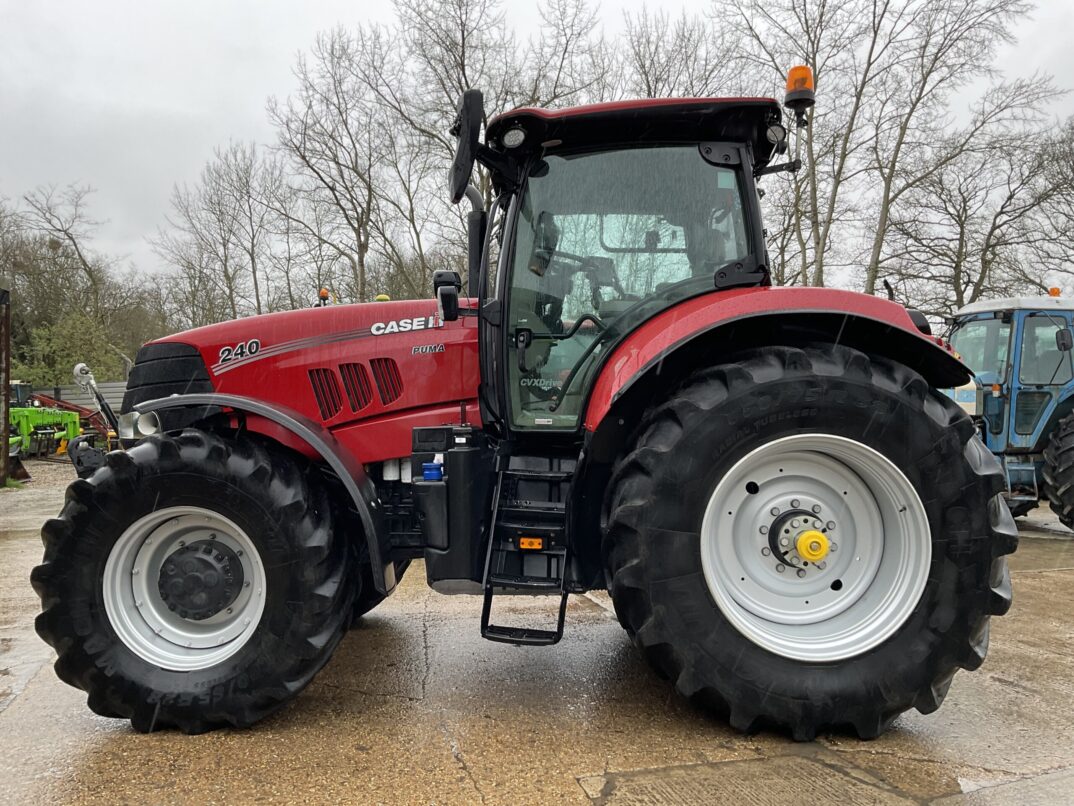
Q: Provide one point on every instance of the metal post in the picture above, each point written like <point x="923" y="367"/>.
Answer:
<point x="5" y="378"/>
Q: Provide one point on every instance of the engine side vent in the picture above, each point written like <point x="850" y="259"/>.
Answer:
<point x="389" y="382"/>
<point x="326" y="391"/>
<point x="356" y="383"/>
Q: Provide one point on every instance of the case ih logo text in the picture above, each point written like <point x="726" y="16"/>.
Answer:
<point x="403" y="325"/>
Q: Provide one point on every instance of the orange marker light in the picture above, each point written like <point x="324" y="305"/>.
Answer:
<point x="800" y="95"/>
<point x="800" y="78"/>
<point x="1053" y="292"/>
<point x="531" y="543"/>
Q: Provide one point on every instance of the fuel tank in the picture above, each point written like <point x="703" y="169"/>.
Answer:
<point x="368" y="372"/>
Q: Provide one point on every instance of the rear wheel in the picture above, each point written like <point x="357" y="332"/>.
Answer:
<point x="808" y="539"/>
<point x="1059" y="471"/>
<point x="193" y="582"/>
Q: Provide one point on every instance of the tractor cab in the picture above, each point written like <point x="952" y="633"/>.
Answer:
<point x="592" y="234"/>
<point x="1020" y="352"/>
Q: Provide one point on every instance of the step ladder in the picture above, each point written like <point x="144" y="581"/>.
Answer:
<point x="528" y="552"/>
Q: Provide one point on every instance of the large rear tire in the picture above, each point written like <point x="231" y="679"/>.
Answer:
<point x="1058" y="485"/>
<point x="194" y="582"/>
<point x="853" y="453"/>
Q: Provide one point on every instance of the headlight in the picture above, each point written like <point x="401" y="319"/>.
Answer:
<point x="133" y="425"/>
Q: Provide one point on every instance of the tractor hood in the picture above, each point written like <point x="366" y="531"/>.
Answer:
<point x="334" y="365"/>
<point x="244" y="343"/>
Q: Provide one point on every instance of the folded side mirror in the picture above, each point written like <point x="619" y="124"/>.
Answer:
<point x="467" y="128"/>
<point x="446" y="287"/>
<point x="1064" y="340"/>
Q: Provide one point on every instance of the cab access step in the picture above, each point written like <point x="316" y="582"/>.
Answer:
<point x="527" y="549"/>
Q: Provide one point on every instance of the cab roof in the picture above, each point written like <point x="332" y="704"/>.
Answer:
<point x="651" y="120"/>
<point x="1018" y="304"/>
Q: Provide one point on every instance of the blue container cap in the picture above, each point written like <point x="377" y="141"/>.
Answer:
<point x="432" y="471"/>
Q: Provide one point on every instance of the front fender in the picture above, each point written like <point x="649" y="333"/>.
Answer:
<point x="321" y="441"/>
<point x="728" y="321"/>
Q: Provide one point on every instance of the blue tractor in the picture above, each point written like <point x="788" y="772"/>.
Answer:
<point x="1023" y="398"/>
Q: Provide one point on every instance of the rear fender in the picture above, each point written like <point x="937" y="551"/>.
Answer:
<point x="705" y="331"/>
<point x="318" y="441"/>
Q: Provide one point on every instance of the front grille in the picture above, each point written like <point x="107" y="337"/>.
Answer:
<point x="164" y="369"/>
<point x="326" y="392"/>
<point x="389" y="382"/>
<point x="356" y="383"/>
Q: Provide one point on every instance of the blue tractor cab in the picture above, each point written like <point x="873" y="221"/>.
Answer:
<point x="1019" y="349"/>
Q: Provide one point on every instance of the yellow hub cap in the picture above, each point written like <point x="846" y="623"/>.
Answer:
<point x="812" y="545"/>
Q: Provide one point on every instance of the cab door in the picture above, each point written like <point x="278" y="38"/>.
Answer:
<point x="1042" y="371"/>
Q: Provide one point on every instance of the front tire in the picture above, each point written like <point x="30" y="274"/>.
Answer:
<point x="194" y="582"/>
<point x="922" y="527"/>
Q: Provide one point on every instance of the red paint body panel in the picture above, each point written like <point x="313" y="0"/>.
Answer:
<point x="435" y="385"/>
<point x="292" y="343"/>
<point x="663" y="332"/>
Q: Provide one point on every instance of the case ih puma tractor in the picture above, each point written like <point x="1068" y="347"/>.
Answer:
<point x="795" y="527"/>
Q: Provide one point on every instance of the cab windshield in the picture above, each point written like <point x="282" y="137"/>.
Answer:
<point x="603" y="241"/>
<point x="983" y="345"/>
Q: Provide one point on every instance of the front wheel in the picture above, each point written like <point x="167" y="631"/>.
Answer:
<point x="809" y="538"/>
<point x="194" y="581"/>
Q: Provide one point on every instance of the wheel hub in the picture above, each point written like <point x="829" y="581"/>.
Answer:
<point x="812" y="545"/>
<point x="798" y="536"/>
<point x="200" y="579"/>
<point x="184" y="587"/>
<point x="815" y="546"/>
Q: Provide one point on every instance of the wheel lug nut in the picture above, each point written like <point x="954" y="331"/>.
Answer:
<point x="830" y="524"/>
<point x="764" y="530"/>
<point x="795" y="503"/>
<point x="833" y="546"/>
<point x="794" y="524"/>
<point x="822" y="565"/>
<point x="801" y="573"/>
<point x="766" y="551"/>
<point x="781" y="568"/>
<point x="774" y="510"/>
<point x="784" y="541"/>
<point x="816" y="509"/>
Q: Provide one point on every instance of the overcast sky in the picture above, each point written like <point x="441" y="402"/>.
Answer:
<point x="131" y="97"/>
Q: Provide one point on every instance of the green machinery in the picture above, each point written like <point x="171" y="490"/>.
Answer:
<point x="37" y="430"/>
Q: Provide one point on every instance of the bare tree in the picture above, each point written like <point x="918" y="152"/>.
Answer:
<point x="982" y="224"/>
<point x="62" y="216"/>
<point x="684" y="56"/>
<point x="327" y="129"/>
<point x="948" y="45"/>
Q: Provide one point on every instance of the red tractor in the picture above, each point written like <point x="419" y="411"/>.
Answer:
<point x="794" y="526"/>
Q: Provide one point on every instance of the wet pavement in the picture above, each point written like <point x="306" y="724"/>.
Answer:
<point x="416" y="708"/>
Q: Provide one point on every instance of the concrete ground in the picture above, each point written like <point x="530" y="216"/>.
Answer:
<point x="416" y="708"/>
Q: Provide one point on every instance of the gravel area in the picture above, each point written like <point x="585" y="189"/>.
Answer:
<point x="21" y="507"/>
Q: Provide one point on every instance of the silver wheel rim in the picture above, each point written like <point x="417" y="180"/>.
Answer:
<point x="860" y="592"/>
<point x="139" y="614"/>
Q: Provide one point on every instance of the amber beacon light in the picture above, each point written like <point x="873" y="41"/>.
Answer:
<point x="800" y="90"/>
